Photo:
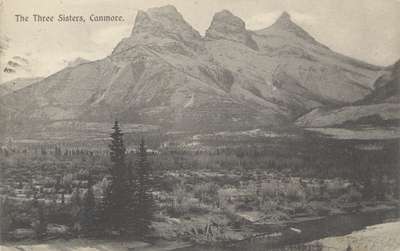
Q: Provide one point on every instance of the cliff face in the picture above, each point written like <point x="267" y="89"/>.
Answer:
<point x="229" y="27"/>
<point x="166" y="74"/>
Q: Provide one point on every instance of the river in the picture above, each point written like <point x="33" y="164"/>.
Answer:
<point x="293" y="239"/>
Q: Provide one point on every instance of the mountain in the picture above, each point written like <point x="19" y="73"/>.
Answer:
<point x="386" y="88"/>
<point x="229" y="27"/>
<point x="165" y="73"/>
<point x="379" y="108"/>
<point x="77" y="61"/>
<point x="16" y="84"/>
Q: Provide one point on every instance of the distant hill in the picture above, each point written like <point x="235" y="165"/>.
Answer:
<point x="379" y="108"/>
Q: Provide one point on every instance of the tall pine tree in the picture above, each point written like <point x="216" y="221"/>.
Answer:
<point x="87" y="215"/>
<point x="117" y="197"/>
<point x="144" y="198"/>
<point x="41" y="223"/>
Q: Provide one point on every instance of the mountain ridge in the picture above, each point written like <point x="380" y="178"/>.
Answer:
<point x="381" y="106"/>
<point x="166" y="73"/>
<point x="225" y="25"/>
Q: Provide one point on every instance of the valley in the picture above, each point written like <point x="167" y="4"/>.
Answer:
<point x="244" y="135"/>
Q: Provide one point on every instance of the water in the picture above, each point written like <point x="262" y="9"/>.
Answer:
<point x="311" y="230"/>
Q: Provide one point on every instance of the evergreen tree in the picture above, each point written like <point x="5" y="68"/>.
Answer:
<point x="41" y="224"/>
<point x="76" y="203"/>
<point x="144" y="198"/>
<point x="88" y="212"/>
<point x="76" y="197"/>
<point x="117" y="198"/>
<point x="5" y="217"/>
<point x="396" y="188"/>
<point x="63" y="197"/>
<point x="101" y="213"/>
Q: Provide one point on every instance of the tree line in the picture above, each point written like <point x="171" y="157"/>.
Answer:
<point x="125" y="208"/>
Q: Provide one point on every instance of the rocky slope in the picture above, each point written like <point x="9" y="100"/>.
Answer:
<point x="16" y="84"/>
<point x="77" y="61"/>
<point x="386" y="88"/>
<point x="166" y="73"/>
<point x="379" y="108"/>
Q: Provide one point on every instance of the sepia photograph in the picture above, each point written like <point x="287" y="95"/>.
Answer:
<point x="199" y="125"/>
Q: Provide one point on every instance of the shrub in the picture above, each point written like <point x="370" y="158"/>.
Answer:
<point x="294" y="192"/>
<point x="268" y="206"/>
<point x="186" y="206"/>
<point x="182" y="203"/>
<point x="206" y="193"/>
<point x="352" y="196"/>
<point x="269" y="189"/>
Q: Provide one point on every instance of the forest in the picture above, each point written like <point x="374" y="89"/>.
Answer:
<point x="137" y="186"/>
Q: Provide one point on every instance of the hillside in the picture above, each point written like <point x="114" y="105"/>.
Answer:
<point x="379" y="108"/>
<point x="16" y="84"/>
<point x="165" y="73"/>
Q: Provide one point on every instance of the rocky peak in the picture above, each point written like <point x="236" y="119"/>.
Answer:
<point x="285" y="23"/>
<point x="77" y="61"/>
<point x="162" y="27"/>
<point x="396" y="69"/>
<point x="227" y="26"/>
<point x="142" y="21"/>
<point x="225" y="22"/>
<point x="165" y="20"/>
<point x="284" y="18"/>
<point x="167" y="10"/>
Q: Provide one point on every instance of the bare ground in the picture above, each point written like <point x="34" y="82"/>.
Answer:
<point x="382" y="237"/>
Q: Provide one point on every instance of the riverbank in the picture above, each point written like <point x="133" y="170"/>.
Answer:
<point x="297" y="232"/>
<point x="300" y="235"/>
<point x="381" y="237"/>
<point x="218" y="229"/>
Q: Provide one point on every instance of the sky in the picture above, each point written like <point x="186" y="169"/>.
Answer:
<point x="364" y="29"/>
